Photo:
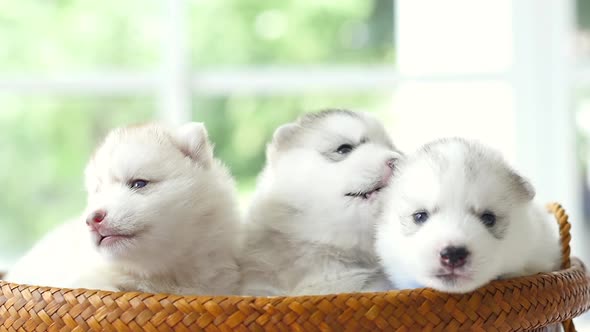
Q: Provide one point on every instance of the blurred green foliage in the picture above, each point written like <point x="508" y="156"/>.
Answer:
<point x="46" y="140"/>
<point x="302" y="32"/>
<point x="41" y="36"/>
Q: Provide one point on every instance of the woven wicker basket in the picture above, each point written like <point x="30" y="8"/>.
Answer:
<point x="532" y="303"/>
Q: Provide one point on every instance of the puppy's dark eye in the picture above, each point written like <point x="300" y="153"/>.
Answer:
<point x="488" y="218"/>
<point x="420" y="217"/>
<point x="344" y="149"/>
<point x="138" y="184"/>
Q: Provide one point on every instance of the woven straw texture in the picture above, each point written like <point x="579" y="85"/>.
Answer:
<point x="527" y="303"/>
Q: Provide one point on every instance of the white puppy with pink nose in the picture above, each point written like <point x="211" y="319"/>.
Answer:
<point x="161" y="214"/>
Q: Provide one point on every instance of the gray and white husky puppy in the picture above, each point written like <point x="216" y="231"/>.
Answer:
<point x="310" y="226"/>
<point x="460" y="217"/>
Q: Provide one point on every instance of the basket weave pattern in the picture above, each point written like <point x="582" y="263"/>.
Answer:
<point x="527" y="303"/>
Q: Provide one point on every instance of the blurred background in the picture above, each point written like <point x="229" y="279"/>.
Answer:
<point x="513" y="74"/>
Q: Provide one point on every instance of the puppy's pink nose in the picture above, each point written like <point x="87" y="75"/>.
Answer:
<point x="96" y="217"/>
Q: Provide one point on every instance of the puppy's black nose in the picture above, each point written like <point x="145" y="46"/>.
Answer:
<point x="454" y="257"/>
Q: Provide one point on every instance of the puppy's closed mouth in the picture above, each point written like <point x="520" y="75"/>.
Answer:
<point x="110" y="239"/>
<point x="366" y="194"/>
<point x="452" y="277"/>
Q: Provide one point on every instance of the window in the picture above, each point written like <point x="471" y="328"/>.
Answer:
<point x="491" y="70"/>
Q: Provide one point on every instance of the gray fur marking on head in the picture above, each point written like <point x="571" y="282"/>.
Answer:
<point x="478" y="160"/>
<point x="476" y="153"/>
<point x="308" y="119"/>
<point x="285" y="139"/>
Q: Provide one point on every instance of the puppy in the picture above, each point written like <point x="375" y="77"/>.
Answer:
<point x="310" y="226"/>
<point x="161" y="214"/>
<point x="460" y="217"/>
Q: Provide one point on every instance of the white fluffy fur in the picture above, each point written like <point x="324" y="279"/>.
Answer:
<point x="303" y="235"/>
<point x="183" y="224"/>
<point x="57" y="259"/>
<point x="455" y="181"/>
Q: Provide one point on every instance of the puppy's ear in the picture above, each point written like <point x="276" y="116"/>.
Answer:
<point x="282" y="137"/>
<point x="193" y="141"/>
<point x="523" y="186"/>
<point x="284" y="134"/>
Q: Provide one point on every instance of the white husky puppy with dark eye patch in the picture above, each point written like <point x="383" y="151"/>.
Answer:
<point x="460" y="217"/>
<point x="161" y="214"/>
<point x="310" y="227"/>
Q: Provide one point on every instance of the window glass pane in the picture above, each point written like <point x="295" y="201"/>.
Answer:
<point x="44" y="146"/>
<point x="54" y="36"/>
<point x="454" y="37"/>
<point x="252" y="32"/>
<point x="481" y="110"/>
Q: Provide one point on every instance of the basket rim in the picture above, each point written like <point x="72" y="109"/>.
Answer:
<point x="521" y="303"/>
<point x="576" y="267"/>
